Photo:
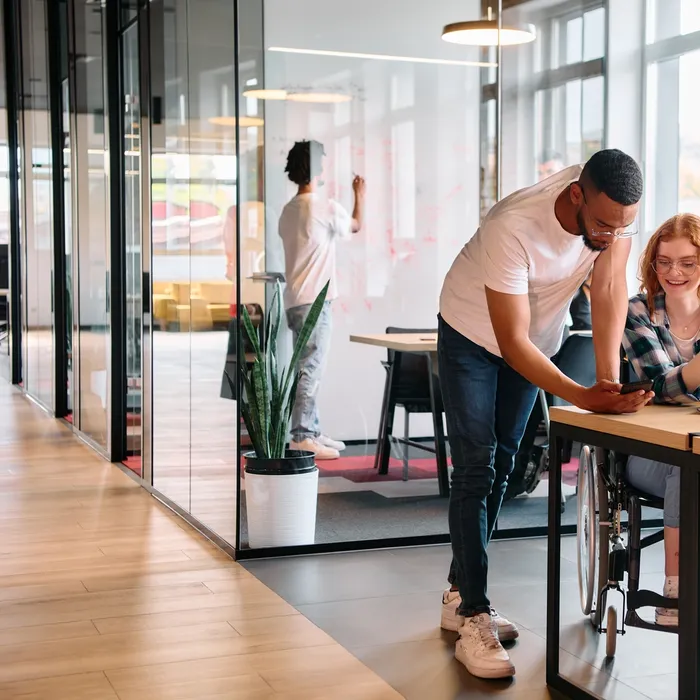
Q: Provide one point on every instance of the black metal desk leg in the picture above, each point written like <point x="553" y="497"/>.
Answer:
<point x="382" y="417"/>
<point x="385" y="445"/>
<point x="688" y="608"/>
<point x="439" y="433"/>
<point x="554" y="556"/>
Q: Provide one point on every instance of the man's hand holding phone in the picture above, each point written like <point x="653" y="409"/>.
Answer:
<point x="611" y="397"/>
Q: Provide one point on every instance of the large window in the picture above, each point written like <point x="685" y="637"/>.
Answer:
<point x="553" y="91"/>
<point x="672" y="107"/>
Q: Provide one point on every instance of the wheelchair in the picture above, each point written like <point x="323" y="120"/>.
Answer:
<point x="609" y="548"/>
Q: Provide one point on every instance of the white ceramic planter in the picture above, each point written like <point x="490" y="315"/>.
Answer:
<point x="281" y="509"/>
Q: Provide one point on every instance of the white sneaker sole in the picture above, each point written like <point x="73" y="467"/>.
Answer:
<point x="506" y="670"/>
<point x="451" y="622"/>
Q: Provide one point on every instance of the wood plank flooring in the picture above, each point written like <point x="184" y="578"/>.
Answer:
<point x="104" y="594"/>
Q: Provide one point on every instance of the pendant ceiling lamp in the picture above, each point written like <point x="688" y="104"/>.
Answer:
<point x="485" y="32"/>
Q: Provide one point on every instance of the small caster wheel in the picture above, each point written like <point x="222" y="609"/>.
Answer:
<point x="611" y="633"/>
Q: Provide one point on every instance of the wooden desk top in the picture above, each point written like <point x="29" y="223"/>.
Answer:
<point x="400" y="342"/>
<point x="668" y="426"/>
<point x="696" y="445"/>
<point x="411" y="342"/>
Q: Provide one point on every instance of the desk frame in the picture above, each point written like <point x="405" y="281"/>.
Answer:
<point x="689" y="627"/>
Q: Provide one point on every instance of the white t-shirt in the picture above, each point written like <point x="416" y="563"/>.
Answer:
<point x="520" y="248"/>
<point x="309" y="227"/>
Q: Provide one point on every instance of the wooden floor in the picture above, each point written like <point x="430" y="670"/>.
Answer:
<point x="104" y="594"/>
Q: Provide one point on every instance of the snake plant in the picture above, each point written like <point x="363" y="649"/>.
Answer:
<point x="269" y="391"/>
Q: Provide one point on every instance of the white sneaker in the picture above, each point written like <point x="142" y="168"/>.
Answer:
<point x="451" y="621"/>
<point x="329" y="442"/>
<point x="479" y="650"/>
<point x="312" y="445"/>
<point x="668" y="617"/>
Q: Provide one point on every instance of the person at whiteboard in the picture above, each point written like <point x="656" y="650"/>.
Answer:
<point x="503" y="308"/>
<point x="310" y="226"/>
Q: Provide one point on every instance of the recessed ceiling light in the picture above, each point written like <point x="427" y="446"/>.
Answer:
<point x="231" y="121"/>
<point x="382" y="57"/>
<point x="266" y="94"/>
<point x="318" y="97"/>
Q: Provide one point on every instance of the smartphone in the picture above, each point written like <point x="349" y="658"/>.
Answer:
<point x="636" y="386"/>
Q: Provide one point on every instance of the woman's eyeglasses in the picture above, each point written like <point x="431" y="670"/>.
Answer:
<point x="685" y="267"/>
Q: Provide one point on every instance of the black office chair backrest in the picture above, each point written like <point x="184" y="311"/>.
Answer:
<point x="576" y="360"/>
<point x="412" y="382"/>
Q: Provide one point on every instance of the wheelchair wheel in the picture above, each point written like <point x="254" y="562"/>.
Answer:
<point x="603" y="521"/>
<point x="587" y="530"/>
<point x="611" y="633"/>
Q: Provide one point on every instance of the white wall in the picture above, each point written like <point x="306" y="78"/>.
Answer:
<point x="412" y="129"/>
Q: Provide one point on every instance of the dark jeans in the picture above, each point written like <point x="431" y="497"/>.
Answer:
<point x="487" y="405"/>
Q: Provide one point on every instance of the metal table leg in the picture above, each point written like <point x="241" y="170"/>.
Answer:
<point x="688" y="627"/>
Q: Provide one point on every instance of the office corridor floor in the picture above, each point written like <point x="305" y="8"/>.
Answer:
<point x="105" y="595"/>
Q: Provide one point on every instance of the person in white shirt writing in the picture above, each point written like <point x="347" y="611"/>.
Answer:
<point x="310" y="226"/>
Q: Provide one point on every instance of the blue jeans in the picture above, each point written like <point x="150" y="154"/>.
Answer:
<point x="305" y="419"/>
<point x="487" y="405"/>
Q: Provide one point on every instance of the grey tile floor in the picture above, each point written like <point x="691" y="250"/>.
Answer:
<point x="384" y="606"/>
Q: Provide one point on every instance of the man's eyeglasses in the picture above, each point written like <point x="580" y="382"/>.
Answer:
<point x="685" y="267"/>
<point x="628" y="232"/>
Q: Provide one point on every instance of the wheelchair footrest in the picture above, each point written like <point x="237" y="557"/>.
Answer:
<point x="646" y="599"/>
<point x="632" y="619"/>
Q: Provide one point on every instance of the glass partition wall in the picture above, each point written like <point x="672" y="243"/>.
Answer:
<point x="207" y="106"/>
<point x="439" y="133"/>
<point x="402" y="110"/>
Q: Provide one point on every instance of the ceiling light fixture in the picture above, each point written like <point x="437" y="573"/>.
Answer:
<point x="381" y="57"/>
<point x="486" y="32"/>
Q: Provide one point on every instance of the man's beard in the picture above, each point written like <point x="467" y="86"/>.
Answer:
<point x="587" y="240"/>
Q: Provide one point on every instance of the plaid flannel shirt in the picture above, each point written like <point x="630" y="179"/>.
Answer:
<point x="652" y="352"/>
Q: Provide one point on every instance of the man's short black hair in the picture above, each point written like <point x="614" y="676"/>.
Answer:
<point x="616" y="175"/>
<point x="304" y="161"/>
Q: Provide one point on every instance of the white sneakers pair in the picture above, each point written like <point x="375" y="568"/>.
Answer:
<point x="479" y="646"/>
<point x="323" y="447"/>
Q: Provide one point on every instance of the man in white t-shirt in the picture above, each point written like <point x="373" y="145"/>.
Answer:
<point x="503" y="309"/>
<point x="309" y="226"/>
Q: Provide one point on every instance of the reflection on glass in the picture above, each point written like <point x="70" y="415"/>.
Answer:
<point x="171" y="218"/>
<point x="213" y="184"/>
<point x="132" y="240"/>
<point x="411" y="129"/>
<point x="193" y="189"/>
<point x="38" y="365"/>
<point x="92" y="219"/>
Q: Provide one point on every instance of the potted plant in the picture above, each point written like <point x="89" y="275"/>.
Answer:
<point x="281" y="485"/>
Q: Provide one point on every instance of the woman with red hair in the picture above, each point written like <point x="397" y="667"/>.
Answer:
<point x="662" y="341"/>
